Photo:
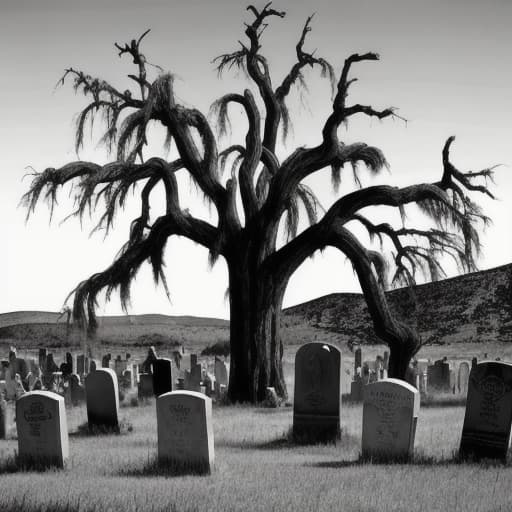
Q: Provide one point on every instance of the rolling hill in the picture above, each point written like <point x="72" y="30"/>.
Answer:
<point x="475" y="307"/>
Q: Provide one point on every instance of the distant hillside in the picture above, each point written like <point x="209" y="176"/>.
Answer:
<point x="40" y="328"/>
<point x="475" y="307"/>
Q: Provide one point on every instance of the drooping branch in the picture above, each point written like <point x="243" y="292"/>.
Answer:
<point x="122" y="271"/>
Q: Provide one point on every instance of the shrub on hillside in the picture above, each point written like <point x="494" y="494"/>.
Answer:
<point x="219" y="348"/>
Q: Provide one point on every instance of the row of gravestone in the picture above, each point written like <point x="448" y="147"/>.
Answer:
<point x="184" y="419"/>
<point x="16" y="375"/>
<point x="390" y="414"/>
<point x="426" y="377"/>
<point x="391" y="407"/>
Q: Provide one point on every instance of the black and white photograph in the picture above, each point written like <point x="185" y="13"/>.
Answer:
<point x="258" y="255"/>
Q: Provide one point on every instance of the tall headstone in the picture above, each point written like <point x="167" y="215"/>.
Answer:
<point x="69" y="362"/>
<point x="42" y="429"/>
<point x="317" y="397"/>
<point x="486" y="430"/>
<point x="358" y="360"/>
<point x="102" y="397"/>
<point x="390" y="414"/>
<point x="221" y="375"/>
<point x="185" y="431"/>
<point x="162" y="376"/>
<point x="80" y="364"/>
<point x="386" y="360"/>
<point x="463" y="377"/>
<point x="145" y="385"/>
<point x="43" y="353"/>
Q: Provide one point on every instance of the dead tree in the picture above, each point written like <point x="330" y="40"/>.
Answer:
<point x="269" y="190"/>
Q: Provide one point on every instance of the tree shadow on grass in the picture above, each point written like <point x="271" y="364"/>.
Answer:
<point x="153" y="467"/>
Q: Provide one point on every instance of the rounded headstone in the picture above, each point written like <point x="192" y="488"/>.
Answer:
<point x="42" y="428"/>
<point x="102" y="398"/>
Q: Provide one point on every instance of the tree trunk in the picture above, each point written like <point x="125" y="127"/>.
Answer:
<point x="400" y="354"/>
<point x="255" y="344"/>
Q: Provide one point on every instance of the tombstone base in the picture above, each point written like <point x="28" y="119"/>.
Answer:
<point x="181" y="467"/>
<point x="38" y="463"/>
<point x="311" y="429"/>
<point x="477" y="445"/>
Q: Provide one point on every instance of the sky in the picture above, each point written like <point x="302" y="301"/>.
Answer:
<point x="445" y="64"/>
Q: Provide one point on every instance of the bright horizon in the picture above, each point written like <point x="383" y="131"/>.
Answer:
<point x="455" y="83"/>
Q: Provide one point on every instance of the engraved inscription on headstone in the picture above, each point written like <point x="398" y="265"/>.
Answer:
<point x="42" y="428"/>
<point x="390" y="413"/>
<point x="486" y="430"/>
<point x="317" y="396"/>
<point x="185" y="431"/>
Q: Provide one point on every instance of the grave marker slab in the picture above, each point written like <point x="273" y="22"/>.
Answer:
<point x="486" y="429"/>
<point x="317" y="397"/>
<point x="102" y="398"/>
<point x="162" y="376"/>
<point x="463" y="377"/>
<point x="185" y="431"/>
<point x="390" y="414"/>
<point x="42" y="428"/>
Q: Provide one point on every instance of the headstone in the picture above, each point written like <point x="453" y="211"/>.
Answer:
<point x="221" y="374"/>
<point x="42" y="429"/>
<point x="317" y="398"/>
<point x="3" y="418"/>
<point x="386" y="360"/>
<point x="390" y="414"/>
<point x="145" y="386"/>
<point x="358" y="360"/>
<point x="105" y="361"/>
<point x="43" y="353"/>
<point x="185" y="431"/>
<point x="162" y="376"/>
<point x="193" y="360"/>
<point x="102" y="396"/>
<point x="80" y="364"/>
<point x="486" y="430"/>
<point x="356" y="389"/>
<point x="463" y="377"/>
<point x="93" y="365"/>
<point x="69" y="362"/>
<point x="474" y="362"/>
<point x="77" y="391"/>
<point x="271" y="398"/>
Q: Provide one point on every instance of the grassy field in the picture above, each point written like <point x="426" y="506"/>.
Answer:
<point x="258" y="468"/>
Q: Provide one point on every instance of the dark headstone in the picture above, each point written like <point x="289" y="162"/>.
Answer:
<point x="102" y="395"/>
<point x="317" y="399"/>
<point x="486" y="430"/>
<point x="162" y="376"/>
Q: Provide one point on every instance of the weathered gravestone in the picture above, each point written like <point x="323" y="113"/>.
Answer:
<point x="145" y="385"/>
<point x="221" y="375"/>
<point x="80" y="364"/>
<point x="42" y="429"/>
<point x="102" y="398"/>
<point x="185" y="431"/>
<point x="3" y="418"/>
<point x="358" y="360"/>
<point x="486" y="430"/>
<point x="162" y="376"/>
<point x="463" y="377"/>
<point x="317" y="396"/>
<point x="390" y="414"/>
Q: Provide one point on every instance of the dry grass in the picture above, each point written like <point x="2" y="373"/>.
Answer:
<point x="258" y="468"/>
